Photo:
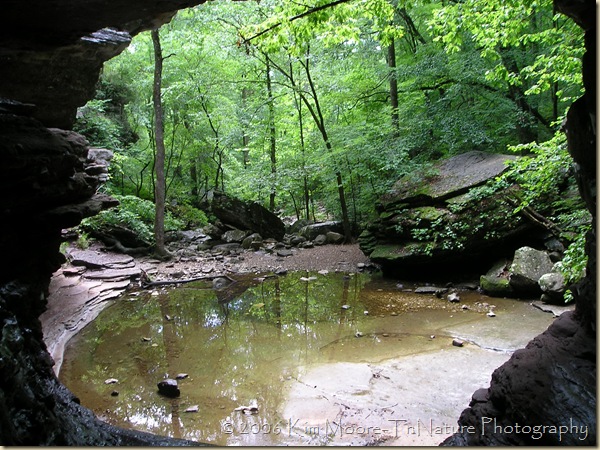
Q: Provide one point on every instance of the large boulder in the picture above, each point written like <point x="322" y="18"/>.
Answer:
<point x="247" y="216"/>
<point x="313" y="230"/>
<point x="526" y="269"/>
<point x="447" y="220"/>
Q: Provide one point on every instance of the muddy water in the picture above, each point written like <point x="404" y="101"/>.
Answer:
<point x="328" y="359"/>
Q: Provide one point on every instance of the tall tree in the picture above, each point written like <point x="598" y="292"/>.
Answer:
<point x="159" y="167"/>
<point x="272" y="136"/>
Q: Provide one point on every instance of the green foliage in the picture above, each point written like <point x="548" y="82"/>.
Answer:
<point x="83" y="241"/>
<point x="541" y="175"/>
<point x="218" y="111"/>
<point x="574" y="262"/>
<point x="190" y="216"/>
<point x="133" y="213"/>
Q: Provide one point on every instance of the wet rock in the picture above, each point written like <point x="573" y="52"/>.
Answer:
<point x="556" y="310"/>
<point x="169" y="388"/>
<point x="191" y="409"/>
<point x="457" y="342"/>
<point x="284" y="253"/>
<point x="111" y="381"/>
<point x="220" y="282"/>
<point x="491" y="314"/>
<point x="181" y="376"/>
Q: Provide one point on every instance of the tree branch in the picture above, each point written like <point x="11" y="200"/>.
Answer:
<point x="296" y="17"/>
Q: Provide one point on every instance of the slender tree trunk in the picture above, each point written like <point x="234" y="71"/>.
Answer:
<point x="194" y="178"/>
<point x="272" y="137"/>
<point x="391" y="59"/>
<point x="320" y="122"/>
<point x="160" y="186"/>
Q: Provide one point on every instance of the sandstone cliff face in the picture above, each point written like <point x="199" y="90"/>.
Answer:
<point x="50" y="56"/>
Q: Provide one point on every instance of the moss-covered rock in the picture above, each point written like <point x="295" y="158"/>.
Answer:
<point x="455" y="214"/>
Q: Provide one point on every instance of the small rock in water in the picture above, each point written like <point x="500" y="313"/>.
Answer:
<point x="111" y="381"/>
<point x="465" y="307"/>
<point x="491" y="314"/>
<point x="252" y="408"/>
<point x="168" y="317"/>
<point x="394" y="313"/>
<point x="114" y="393"/>
<point x="385" y="335"/>
<point x="457" y="343"/>
<point x="345" y="306"/>
<point x="169" y="388"/>
<point x="146" y="339"/>
<point x="453" y="298"/>
<point x="323" y="272"/>
<point x="280" y="271"/>
<point x="358" y="334"/>
<point x="361" y="265"/>
<point x="181" y="376"/>
<point x="432" y="336"/>
<point x="366" y="313"/>
<point x="192" y="409"/>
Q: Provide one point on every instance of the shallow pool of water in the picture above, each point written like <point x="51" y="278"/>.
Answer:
<point x="259" y="340"/>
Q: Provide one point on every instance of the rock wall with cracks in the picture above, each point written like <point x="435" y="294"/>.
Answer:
<point x="51" y="52"/>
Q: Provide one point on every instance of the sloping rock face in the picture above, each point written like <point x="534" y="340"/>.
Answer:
<point x="429" y="225"/>
<point x="247" y="216"/>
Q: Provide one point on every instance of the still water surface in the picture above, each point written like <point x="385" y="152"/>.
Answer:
<point x="249" y="343"/>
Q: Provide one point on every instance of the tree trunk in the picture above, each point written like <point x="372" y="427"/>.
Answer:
<point x="159" y="167"/>
<point x="391" y="59"/>
<point x="272" y="137"/>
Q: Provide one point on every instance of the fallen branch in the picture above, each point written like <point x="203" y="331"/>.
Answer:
<point x="529" y="213"/>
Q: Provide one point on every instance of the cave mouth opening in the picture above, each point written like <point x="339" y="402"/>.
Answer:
<point x="47" y="71"/>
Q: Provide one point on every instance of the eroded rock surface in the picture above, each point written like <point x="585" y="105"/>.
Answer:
<point x="442" y="222"/>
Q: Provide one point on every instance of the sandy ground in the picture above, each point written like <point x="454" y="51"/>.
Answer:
<point x="343" y="258"/>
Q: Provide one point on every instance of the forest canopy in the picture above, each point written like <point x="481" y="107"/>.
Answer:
<point x="315" y="109"/>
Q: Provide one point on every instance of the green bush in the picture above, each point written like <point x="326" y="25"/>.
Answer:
<point x="133" y="213"/>
<point x="190" y="216"/>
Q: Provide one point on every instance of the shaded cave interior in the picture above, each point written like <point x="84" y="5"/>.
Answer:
<point x="51" y="54"/>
